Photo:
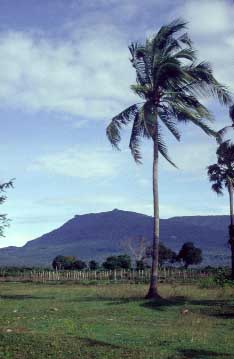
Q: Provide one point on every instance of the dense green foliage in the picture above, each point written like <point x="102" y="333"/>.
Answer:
<point x="68" y="262"/>
<point x="140" y="264"/>
<point x="79" y="265"/>
<point x="189" y="254"/>
<point x="117" y="262"/>
<point x="93" y="265"/>
<point x="63" y="262"/>
<point x="166" y="255"/>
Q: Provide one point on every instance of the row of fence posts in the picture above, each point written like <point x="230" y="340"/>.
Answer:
<point x="165" y="274"/>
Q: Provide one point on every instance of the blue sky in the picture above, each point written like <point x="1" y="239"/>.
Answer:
<point x="64" y="73"/>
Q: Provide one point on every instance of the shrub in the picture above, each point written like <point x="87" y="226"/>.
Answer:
<point x="93" y="265"/>
<point x="117" y="262"/>
<point x="208" y="282"/>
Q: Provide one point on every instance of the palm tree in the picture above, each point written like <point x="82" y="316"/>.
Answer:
<point x="169" y="81"/>
<point x="226" y="130"/>
<point x="221" y="174"/>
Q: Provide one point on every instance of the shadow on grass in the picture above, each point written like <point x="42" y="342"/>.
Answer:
<point x="169" y="302"/>
<point x="98" y="343"/>
<point x="223" y="309"/>
<point x="23" y="297"/>
<point x="201" y="354"/>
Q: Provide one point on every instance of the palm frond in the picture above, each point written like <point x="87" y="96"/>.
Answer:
<point x="205" y="128"/>
<point x="216" y="176"/>
<point x="182" y="100"/>
<point x="166" y="32"/>
<point x="224" y="131"/>
<point x="205" y="82"/>
<point x="163" y="148"/>
<point x="144" y="91"/>
<point x="148" y="119"/>
<point x="115" y="126"/>
<point x="141" y="62"/>
<point x="167" y="119"/>
<point x="185" y="39"/>
<point x="218" y="188"/>
<point x="186" y="53"/>
<point x="231" y="113"/>
<point x="134" y="143"/>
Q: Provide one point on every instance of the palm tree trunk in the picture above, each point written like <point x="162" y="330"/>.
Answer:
<point x="231" y="227"/>
<point x="153" y="289"/>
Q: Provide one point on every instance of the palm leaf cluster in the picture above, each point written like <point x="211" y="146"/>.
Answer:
<point x="170" y="81"/>
<point x="226" y="129"/>
<point x="221" y="174"/>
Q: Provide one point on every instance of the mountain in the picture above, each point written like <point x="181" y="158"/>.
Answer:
<point x="97" y="235"/>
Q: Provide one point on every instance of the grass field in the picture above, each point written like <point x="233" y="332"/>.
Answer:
<point x="113" y="321"/>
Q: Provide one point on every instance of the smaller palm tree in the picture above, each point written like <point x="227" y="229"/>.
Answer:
<point x="221" y="174"/>
<point x="228" y="130"/>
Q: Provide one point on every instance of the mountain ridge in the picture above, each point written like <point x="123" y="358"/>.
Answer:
<point x="97" y="235"/>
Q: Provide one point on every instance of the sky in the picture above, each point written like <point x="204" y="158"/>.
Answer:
<point x="64" y="73"/>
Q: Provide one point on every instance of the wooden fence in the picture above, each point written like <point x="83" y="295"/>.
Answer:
<point x="165" y="275"/>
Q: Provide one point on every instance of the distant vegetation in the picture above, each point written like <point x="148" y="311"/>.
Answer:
<point x="68" y="262"/>
<point x="189" y="254"/>
<point x="118" y="262"/>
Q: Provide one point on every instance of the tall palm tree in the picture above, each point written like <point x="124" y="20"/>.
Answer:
<point x="169" y="81"/>
<point x="221" y="174"/>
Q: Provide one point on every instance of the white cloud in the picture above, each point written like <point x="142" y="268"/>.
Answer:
<point x="82" y="200"/>
<point x="88" y="75"/>
<point x="80" y="163"/>
<point x="192" y="158"/>
<point x="211" y="28"/>
<point x="209" y="17"/>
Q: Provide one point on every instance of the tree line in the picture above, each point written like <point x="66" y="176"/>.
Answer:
<point x="188" y="255"/>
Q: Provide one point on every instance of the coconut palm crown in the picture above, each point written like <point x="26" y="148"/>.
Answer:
<point x="170" y="82"/>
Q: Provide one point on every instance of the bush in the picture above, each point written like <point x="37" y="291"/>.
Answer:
<point x="220" y="278"/>
<point x="117" y="262"/>
<point x="140" y="265"/>
<point x="79" y="265"/>
<point x="67" y="262"/>
<point x="189" y="254"/>
<point x="223" y="278"/>
<point x="208" y="282"/>
<point x="63" y="262"/>
<point x="93" y="265"/>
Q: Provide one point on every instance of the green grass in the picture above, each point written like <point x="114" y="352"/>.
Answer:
<point x="114" y="321"/>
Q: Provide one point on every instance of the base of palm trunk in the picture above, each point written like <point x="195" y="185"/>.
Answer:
<point x="231" y="243"/>
<point x="152" y="294"/>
